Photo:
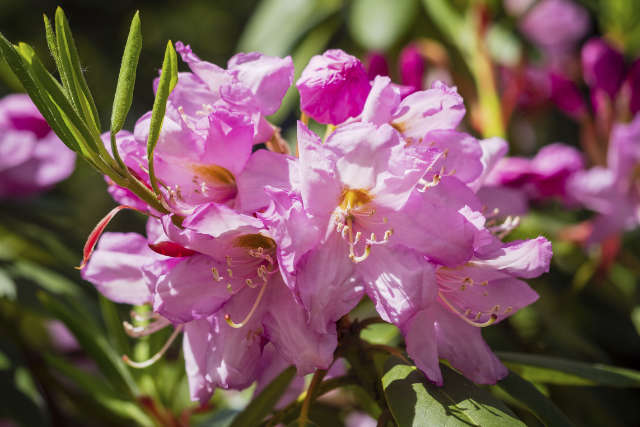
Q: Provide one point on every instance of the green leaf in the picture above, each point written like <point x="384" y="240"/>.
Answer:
<point x="71" y="73"/>
<point x="552" y="370"/>
<point x="277" y="25"/>
<point x="37" y="93"/>
<point x="52" y="41"/>
<point x="168" y="80"/>
<point x="92" y="340"/>
<point x="7" y="286"/>
<point x="379" y="24"/>
<point x="528" y="395"/>
<point x="115" y="330"/>
<point x="312" y="44"/>
<point x="100" y="391"/>
<point x="262" y="404"/>
<point x="65" y="119"/>
<point x="127" y="78"/>
<point x="414" y="401"/>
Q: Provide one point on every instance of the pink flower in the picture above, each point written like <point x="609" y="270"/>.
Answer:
<point x="32" y="158"/>
<point x="333" y="87"/>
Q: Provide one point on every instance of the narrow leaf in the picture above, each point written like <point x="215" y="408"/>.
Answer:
<point x="414" y="401"/>
<point x="71" y="72"/>
<point x="527" y="394"/>
<point x="262" y="404"/>
<point x="113" y="323"/>
<point x="127" y="77"/>
<point x="168" y="80"/>
<point x="553" y="370"/>
<point x="51" y="41"/>
<point x="92" y="340"/>
<point x="100" y="391"/>
<point x="37" y="92"/>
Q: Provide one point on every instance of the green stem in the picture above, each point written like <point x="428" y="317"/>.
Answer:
<point x="304" y="411"/>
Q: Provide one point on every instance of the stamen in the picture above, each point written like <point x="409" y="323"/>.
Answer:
<point x="228" y="258"/>
<point x="249" y="283"/>
<point x="233" y="324"/>
<point x="230" y="273"/>
<point x="360" y="258"/>
<point x="491" y="320"/>
<point x="216" y="275"/>
<point x="142" y="331"/>
<point x="157" y="356"/>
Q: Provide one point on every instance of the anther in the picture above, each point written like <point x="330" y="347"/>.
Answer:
<point x="153" y="359"/>
<point x="249" y="283"/>
<point x="492" y="317"/>
<point x="216" y="275"/>
<point x="230" y="272"/>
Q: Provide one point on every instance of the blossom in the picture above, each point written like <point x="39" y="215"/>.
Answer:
<point x="603" y="67"/>
<point x="214" y="118"/>
<point x="333" y="87"/>
<point x="32" y="158"/>
<point x="411" y="67"/>
<point x="555" y="25"/>
<point x="219" y="268"/>
<point x="542" y="177"/>
<point x="612" y="191"/>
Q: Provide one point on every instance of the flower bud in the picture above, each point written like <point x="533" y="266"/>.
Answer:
<point x="566" y="95"/>
<point x="602" y="66"/>
<point x="333" y="87"/>
<point x="411" y="67"/>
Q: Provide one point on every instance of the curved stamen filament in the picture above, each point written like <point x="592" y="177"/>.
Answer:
<point x="352" y="242"/>
<point x="157" y="356"/>
<point x="142" y="331"/>
<point x="233" y="324"/>
<point x="462" y="316"/>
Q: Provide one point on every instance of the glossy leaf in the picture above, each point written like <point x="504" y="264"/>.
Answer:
<point x="127" y="77"/>
<point x="414" y="401"/>
<point x="379" y="24"/>
<point x="553" y="370"/>
<point x="262" y="404"/>
<point x="528" y="395"/>
<point x="71" y="72"/>
<point x="168" y="80"/>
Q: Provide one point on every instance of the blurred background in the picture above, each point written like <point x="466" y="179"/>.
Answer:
<point x="589" y="308"/>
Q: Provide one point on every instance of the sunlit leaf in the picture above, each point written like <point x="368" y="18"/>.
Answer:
<point x="168" y="80"/>
<point x="414" y="401"/>
<point x="528" y="395"/>
<point x="127" y="77"/>
<point x="71" y="72"/>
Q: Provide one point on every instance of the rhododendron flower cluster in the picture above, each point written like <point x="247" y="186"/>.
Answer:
<point x="261" y="253"/>
<point x="32" y="158"/>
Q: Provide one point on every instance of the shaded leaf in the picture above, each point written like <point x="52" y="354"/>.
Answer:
<point x="92" y="340"/>
<point x="414" y="401"/>
<point x="553" y="370"/>
<point x="100" y="391"/>
<point x="527" y="394"/>
<point x="263" y="403"/>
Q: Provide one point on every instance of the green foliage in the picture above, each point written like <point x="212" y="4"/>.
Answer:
<point x="552" y="370"/>
<point x="379" y="24"/>
<point x="263" y="403"/>
<point x="168" y="80"/>
<point x="414" y="401"/>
